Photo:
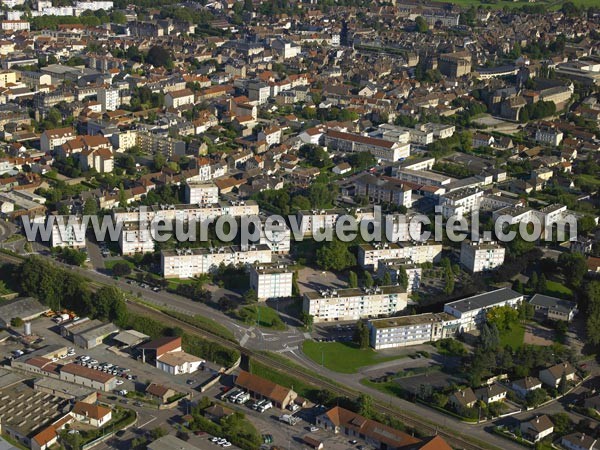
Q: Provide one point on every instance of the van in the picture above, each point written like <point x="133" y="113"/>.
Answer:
<point x="242" y="398"/>
<point x="262" y="408"/>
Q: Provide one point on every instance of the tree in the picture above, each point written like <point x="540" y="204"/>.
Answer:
<point x="562" y="384"/>
<point x="352" y="279"/>
<point x="121" y="269"/>
<point x="402" y="278"/>
<point x="307" y="320"/>
<point x="542" y="284"/>
<point x="157" y="433"/>
<point x="321" y="195"/>
<point x="334" y="255"/>
<point x="118" y="17"/>
<point x="489" y="337"/>
<point x="16" y="322"/>
<point x="90" y="207"/>
<point x="422" y="26"/>
<point x="573" y="267"/>
<point x="159" y="161"/>
<point x="361" y="334"/>
<point x="536" y="397"/>
<point x="533" y="280"/>
<point x="368" y="280"/>
<point x="387" y="279"/>
<point x="365" y="405"/>
<point x="159" y="57"/>
<point x="250" y="296"/>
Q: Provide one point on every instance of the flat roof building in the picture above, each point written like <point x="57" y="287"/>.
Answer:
<point x="405" y="331"/>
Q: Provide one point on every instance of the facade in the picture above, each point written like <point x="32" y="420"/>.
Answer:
<point x="201" y="193"/>
<point x="95" y="415"/>
<point x="481" y="256"/>
<point x="471" y="311"/>
<point x="50" y="139"/>
<point x="93" y="337"/>
<point x="552" y="375"/>
<point x="109" y="99"/>
<point x="578" y="441"/>
<point x="133" y="239"/>
<point x="189" y="263"/>
<point x="271" y="281"/>
<point x="405" y="331"/>
<point x="354" y="303"/>
<point x="260" y="388"/>
<point x="379" y="148"/>
<point x="155" y="143"/>
<point x="178" y="363"/>
<point x="491" y="394"/>
<point x="549" y="135"/>
<point x="74" y="373"/>
<point x="179" y="98"/>
<point x="554" y="308"/>
<point x="537" y="428"/>
<point x="395" y="266"/>
<point x="455" y="65"/>
<point x="461" y="202"/>
<point x="369" y="255"/>
<point x="526" y="385"/>
<point x="69" y="233"/>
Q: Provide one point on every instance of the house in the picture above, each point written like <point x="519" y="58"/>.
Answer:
<point x="95" y="415"/>
<point x="342" y="168"/>
<point x="175" y="99"/>
<point x="537" y="428"/>
<point x="217" y="412"/>
<point x="491" y="394"/>
<point x="526" y="385"/>
<point x="271" y="135"/>
<point x="552" y="375"/>
<point x="158" y="347"/>
<point x="593" y="403"/>
<point x="160" y="392"/>
<point x="431" y="443"/>
<point x="177" y="363"/>
<point x="54" y="138"/>
<point x="260" y="388"/>
<point x="482" y="140"/>
<point x="350" y="424"/>
<point x="463" y="399"/>
<point x="313" y="442"/>
<point x="554" y="308"/>
<point x="578" y="441"/>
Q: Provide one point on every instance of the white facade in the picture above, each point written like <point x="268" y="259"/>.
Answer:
<point x="405" y="331"/>
<point x="271" y="281"/>
<point x="134" y="240"/>
<point x="461" y="203"/>
<point x="68" y="234"/>
<point x="418" y="253"/>
<point x="393" y="267"/>
<point x="472" y="311"/>
<point x="178" y="363"/>
<point x="109" y="99"/>
<point x="480" y="257"/>
<point x="189" y="263"/>
<point x="549" y="135"/>
<point x="277" y="237"/>
<point x="201" y="193"/>
<point x="354" y="304"/>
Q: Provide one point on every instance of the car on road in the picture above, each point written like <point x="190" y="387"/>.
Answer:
<point x="353" y="441"/>
<point x="214" y="439"/>
<point x="226" y="444"/>
<point x="314" y="429"/>
<point x="119" y="382"/>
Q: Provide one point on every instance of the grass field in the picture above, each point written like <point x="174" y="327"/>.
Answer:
<point x="557" y="289"/>
<point x="111" y="263"/>
<point x="264" y="316"/>
<point x="343" y="357"/>
<point x="514" y="337"/>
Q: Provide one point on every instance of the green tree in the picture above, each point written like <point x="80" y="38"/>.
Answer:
<point x="365" y="405"/>
<point x="536" y="397"/>
<point x="250" y="296"/>
<point x="361" y="335"/>
<point x="335" y="255"/>
<point x="352" y="279"/>
<point x="159" y="57"/>
<point x="387" y="279"/>
<point x="121" y="269"/>
<point x="368" y="280"/>
<point x="573" y="267"/>
<point x="402" y="278"/>
<point x="322" y="195"/>
<point x="307" y="320"/>
<point x="16" y="322"/>
<point x="422" y="26"/>
<point x="90" y="207"/>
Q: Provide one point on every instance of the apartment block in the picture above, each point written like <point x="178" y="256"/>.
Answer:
<point x="481" y="256"/>
<point x="155" y="143"/>
<point x="405" y="331"/>
<point x="271" y="281"/>
<point x="201" y="193"/>
<point x="354" y="304"/>
<point x="395" y="266"/>
<point x="69" y="233"/>
<point x="379" y="148"/>
<point x="369" y="255"/>
<point x="472" y="311"/>
<point x="461" y="202"/>
<point x="134" y="239"/>
<point x="188" y="263"/>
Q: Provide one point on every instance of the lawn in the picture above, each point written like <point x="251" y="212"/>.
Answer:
<point x="513" y="337"/>
<point x="557" y="289"/>
<point x="343" y="357"/>
<point x="260" y="315"/>
<point x="111" y="263"/>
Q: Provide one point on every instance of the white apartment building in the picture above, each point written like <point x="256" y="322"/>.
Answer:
<point x="14" y="25"/>
<point x="186" y="212"/>
<point x="369" y="255"/>
<point x="461" y="202"/>
<point x="354" y="304"/>
<point x="201" y="193"/>
<point x="422" y="177"/>
<point x="276" y="236"/>
<point x="481" y="256"/>
<point x="549" y="135"/>
<point x="188" y="263"/>
<point x="50" y="139"/>
<point x="123" y="140"/>
<point x="94" y="6"/>
<point x="319" y="219"/>
<point x="394" y="266"/>
<point x="109" y="99"/>
<point x="258" y="92"/>
<point x="271" y="281"/>
<point x="68" y="234"/>
<point x="134" y="240"/>
<point x="471" y="311"/>
<point x="379" y="148"/>
<point x="405" y="331"/>
<point x="175" y="99"/>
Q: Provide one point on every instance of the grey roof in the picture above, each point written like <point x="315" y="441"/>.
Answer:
<point x="557" y="304"/>
<point x="101" y="331"/>
<point x="170" y="442"/>
<point x="485" y="300"/>
<point x="130" y="337"/>
<point x="21" y="307"/>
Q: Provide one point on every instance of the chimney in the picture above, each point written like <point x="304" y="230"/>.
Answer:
<point x="537" y="419"/>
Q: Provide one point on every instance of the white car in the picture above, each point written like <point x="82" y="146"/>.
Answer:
<point x="85" y="358"/>
<point x="214" y="439"/>
<point x="313" y="429"/>
<point x="119" y="382"/>
<point x="226" y="444"/>
<point x="94" y="362"/>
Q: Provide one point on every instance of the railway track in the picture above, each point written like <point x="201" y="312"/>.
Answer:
<point x="420" y="424"/>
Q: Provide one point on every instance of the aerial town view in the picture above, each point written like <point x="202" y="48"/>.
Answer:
<point x="300" y="224"/>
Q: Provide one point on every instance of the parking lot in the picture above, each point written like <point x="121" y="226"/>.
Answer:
<point x="141" y="373"/>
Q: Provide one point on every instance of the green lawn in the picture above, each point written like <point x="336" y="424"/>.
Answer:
<point x="260" y="315"/>
<point x="513" y="337"/>
<point x="111" y="263"/>
<point x="343" y="357"/>
<point x="557" y="289"/>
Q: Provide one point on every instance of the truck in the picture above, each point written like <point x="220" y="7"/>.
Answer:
<point x="289" y="419"/>
<point x="61" y="318"/>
